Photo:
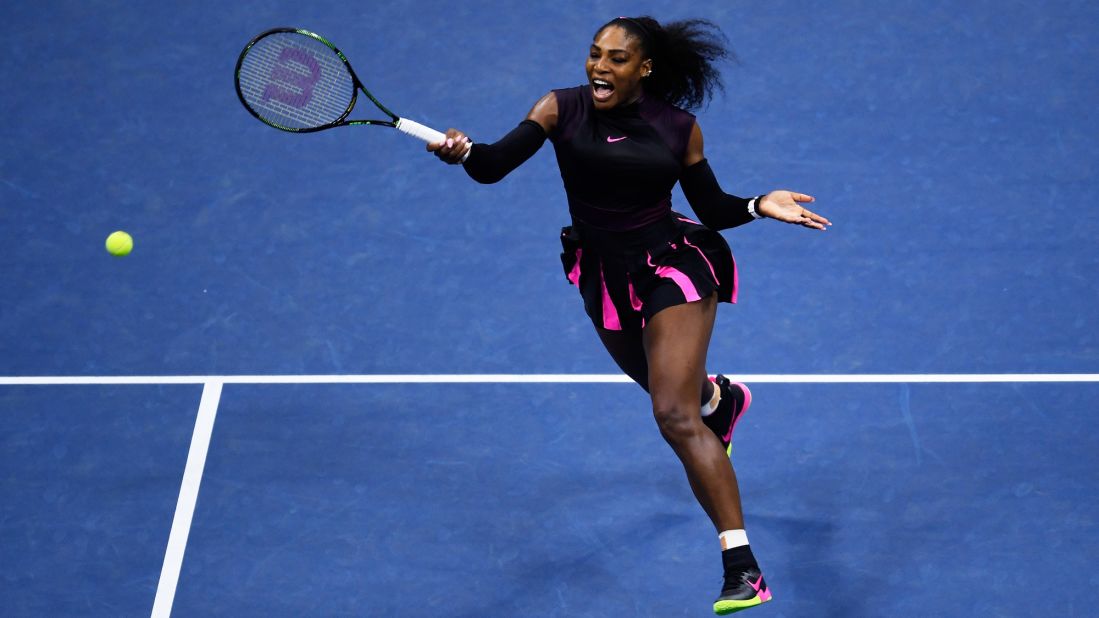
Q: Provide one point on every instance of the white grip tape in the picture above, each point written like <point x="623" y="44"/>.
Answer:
<point x="425" y="133"/>
<point x="419" y="131"/>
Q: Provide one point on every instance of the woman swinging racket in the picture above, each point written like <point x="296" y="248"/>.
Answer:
<point x="651" y="278"/>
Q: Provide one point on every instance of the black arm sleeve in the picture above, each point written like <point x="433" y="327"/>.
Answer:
<point x="489" y="163"/>
<point x="716" y="209"/>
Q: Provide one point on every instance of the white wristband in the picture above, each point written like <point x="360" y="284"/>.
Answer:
<point x="752" y="207"/>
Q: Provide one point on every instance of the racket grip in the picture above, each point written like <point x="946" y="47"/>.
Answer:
<point x="425" y="133"/>
<point x="419" y="131"/>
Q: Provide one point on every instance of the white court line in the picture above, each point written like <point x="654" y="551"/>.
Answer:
<point x="549" y="378"/>
<point x="188" y="496"/>
<point x="211" y="395"/>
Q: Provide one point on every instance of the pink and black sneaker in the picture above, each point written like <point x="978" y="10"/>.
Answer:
<point x="735" y="401"/>
<point x="743" y="586"/>
<point x="742" y="590"/>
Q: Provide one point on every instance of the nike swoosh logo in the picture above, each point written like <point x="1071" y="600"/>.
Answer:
<point x="757" y="584"/>
<point x="611" y="140"/>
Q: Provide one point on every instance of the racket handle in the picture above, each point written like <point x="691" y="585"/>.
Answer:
<point x="419" y="131"/>
<point x="425" y="133"/>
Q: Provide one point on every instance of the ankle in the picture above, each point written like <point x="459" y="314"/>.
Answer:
<point x="710" y="405"/>
<point x="731" y="539"/>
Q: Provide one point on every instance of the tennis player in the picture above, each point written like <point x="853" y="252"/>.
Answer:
<point x="650" y="277"/>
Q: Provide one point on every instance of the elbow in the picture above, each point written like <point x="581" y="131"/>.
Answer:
<point x="706" y="218"/>
<point x="484" y="166"/>
<point x="484" y="177"/>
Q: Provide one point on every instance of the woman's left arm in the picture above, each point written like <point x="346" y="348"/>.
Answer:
<point x="718" y="210"/>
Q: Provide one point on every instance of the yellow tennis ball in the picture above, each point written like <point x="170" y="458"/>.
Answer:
<point x="120" y="243"/>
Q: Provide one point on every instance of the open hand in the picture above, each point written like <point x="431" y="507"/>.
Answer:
<point x="787" y="206"/>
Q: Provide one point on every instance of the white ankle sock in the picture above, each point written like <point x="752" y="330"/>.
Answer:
<point x="733" y="538"/>
<point x="715" y="399"/>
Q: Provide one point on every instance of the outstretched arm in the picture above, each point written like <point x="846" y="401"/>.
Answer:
<point x="489" y="163"/>
<point x="719" y="210"/>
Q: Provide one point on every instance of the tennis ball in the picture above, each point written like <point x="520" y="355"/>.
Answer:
<point x="119" y="244"/>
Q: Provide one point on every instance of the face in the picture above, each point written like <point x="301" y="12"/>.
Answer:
<point x="615" y="68"/>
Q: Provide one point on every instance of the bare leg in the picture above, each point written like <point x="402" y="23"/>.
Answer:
<point x="675" y="343"/>
<point x="628" y="351"/>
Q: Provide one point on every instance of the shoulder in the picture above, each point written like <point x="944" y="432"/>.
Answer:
<point x="675" y="125"/>
<point x="569" y="95"/>
<point x="560" y="110"/>
<point x="682" y="118"/>
<point x="675" y="118"/>
<point x="570" y="100"/>
<point x="545" y="112"/>
<point x="694" y="152"/>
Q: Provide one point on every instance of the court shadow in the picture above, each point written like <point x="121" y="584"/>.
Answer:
<point x="814" y="576"/>
<point x="626" y="540"/>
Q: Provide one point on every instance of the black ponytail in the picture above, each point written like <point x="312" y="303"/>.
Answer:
<point x="683" y="53"/>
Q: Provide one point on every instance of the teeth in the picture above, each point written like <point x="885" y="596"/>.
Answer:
<point x="599" y="82"/>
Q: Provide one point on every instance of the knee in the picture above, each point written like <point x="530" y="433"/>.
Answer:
<point x="677" y="422"/>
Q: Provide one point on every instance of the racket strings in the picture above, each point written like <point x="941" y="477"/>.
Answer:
<point x="294" y="81"/>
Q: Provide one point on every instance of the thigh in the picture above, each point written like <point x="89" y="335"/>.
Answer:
<point x="627" y="350"/>
<point x="675" y="343"/>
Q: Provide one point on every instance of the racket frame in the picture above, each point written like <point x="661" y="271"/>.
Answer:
<point x="357" y="85"/>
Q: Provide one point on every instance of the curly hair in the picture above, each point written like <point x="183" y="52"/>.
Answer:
<point x="684" y="54"/>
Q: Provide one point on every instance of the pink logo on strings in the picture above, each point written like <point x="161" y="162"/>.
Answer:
<point x="611" y="140"/>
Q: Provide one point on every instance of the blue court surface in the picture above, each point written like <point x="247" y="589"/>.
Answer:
<point x="337" y="378"/>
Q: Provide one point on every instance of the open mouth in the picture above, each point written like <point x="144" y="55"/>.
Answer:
<point x="601" y="89"/>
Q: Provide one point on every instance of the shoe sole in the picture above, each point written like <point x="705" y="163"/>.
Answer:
<point x="724" y="608"/>
<point x="730" y="606"/>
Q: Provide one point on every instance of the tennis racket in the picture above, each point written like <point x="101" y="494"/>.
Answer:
<point x="297" y="81"/>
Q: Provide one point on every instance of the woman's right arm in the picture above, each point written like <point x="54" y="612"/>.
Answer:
<point x="544" y="113"/>
<point x="489" y="163"/>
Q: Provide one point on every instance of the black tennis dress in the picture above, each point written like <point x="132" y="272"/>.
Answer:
<point x="627" y="251"/>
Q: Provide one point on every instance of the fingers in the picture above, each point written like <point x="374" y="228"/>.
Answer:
<point x="454" y="148"/>
<point x="791" y="210"/>
<point x="812" y="220"/>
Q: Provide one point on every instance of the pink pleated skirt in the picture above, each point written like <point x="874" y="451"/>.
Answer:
<point x="625" y="278"/>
